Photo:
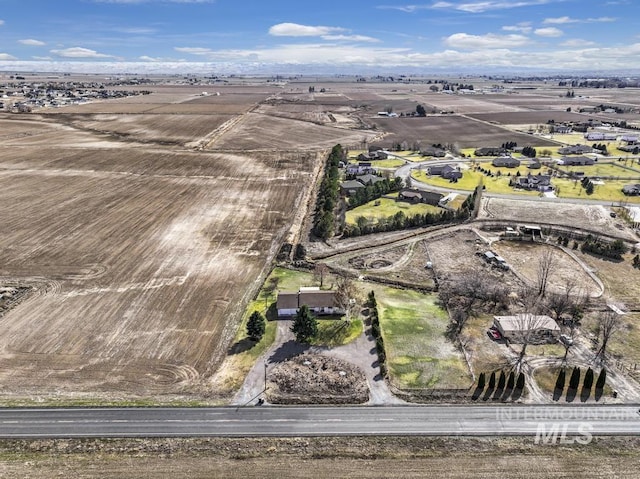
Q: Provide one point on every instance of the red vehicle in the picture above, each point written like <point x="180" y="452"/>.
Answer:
<point x="494" y="334"/>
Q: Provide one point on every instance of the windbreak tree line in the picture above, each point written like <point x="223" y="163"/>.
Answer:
<point x="324" y="220"/>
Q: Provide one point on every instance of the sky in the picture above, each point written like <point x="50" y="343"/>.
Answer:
<point x="341" y="35"/>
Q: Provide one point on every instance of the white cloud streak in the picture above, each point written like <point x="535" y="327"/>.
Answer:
<point x="79" y="52"/>
<point x="6" y="56"/>
<point x="550" y="32"/>
<point x="466" y="41"/>
<point x="297" y="30"/>
<point x="565" y="20"/>
<point x="32" y="42"/>
<point x="484" y="6"/>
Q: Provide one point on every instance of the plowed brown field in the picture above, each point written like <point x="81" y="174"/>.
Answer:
<point x="142" y="259"/>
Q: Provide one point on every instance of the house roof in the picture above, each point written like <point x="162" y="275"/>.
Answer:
<point x="351" y="185"/>
<point x="317" y="299"/>
<point x="314" y="298"/>
<point x="526" y="322"/>
<point x="287" y="300"/>
<point x="364" y="179"/>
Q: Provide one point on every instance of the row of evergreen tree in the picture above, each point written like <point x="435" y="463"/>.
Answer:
<point x="613" y="250"/>
<point x="375" y="191"/>
<point x="324" y="220"/>
<point x="377" y="333"/>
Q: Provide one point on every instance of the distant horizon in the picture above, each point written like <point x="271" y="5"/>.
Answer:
<point x="213" y="69"/>
<point x="261" y="37"/>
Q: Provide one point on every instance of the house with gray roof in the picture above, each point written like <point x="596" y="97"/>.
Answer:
<point x="506" y="162"/>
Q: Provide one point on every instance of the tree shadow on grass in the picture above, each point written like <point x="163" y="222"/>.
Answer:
<point x="241" y="346"/>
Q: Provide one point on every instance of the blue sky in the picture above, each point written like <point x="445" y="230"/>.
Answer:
<point x="475" y="35"/>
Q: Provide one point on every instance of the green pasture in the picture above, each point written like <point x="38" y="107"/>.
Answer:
<point x="418" y="353"/>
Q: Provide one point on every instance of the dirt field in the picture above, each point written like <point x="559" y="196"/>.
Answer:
<point x="357" y="457"/>
<point x="141" y="261"/>
<point x="446" y="129"/>
<point x="588" y="216"/>
<point x="523" y="258"/>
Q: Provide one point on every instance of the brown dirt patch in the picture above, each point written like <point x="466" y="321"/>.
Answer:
<point x="524" y="258"/>
<point x="317" y="379"/>
<point x="356" y="457"/>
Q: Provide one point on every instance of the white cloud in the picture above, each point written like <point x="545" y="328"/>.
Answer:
<point x="577" y="43"/>
<point x="565" y="20"/>
<point x="31" y="42"/>
<point x="147" y="58"/>
<point x="6" y="56"/>
<point x="550" y="32"/>
<point x="194" y="50"/>
<point x="522" y="27"/>
<point x="79" y="52"/>
<point x="1" y="22"/>
<point x="297" y="30"/>
<point x="483" y="6"/>
<point x="465" y="41"/>
<point x="355" y="38"/>
<point x="36" y="57"/>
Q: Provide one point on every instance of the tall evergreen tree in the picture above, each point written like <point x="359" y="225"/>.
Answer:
<point x="305" y="325"/>
<point x="256" y="326"/>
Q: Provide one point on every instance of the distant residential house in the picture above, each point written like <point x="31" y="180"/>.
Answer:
<point x="575" y="150"/>
<point x="362" y="168"/>
<point x="536" y="329"/>
<point x="373" y="148"/>
<point x="534" y="165"/>
<point x="490" y="151"/>
<point x="629" y="139"/>
<point x="533" y="182"/>
<point x="349" y="188"/>
<point x="420" y="196"/>
<point x="448" y="172"/>
<point x="320" y="302"/>
<point x="600" y="136"/>
<point x="633" y="148"/>
<point x="561" y="129"/>
<point x="506" y="162"/>
<point x="433" y="151"/>
<point x="576" y="161"/>
<point x="373" y="155"/>
<point x="631" y="190"/>
<point x="369" y="179"/>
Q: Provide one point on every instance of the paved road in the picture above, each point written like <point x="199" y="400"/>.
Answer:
<point x="316" y="421"/>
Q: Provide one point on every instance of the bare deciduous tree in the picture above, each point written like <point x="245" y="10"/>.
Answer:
<point x="320" y="271"/>
<point x="468" y="295"/>
<point x="530" y="326"/>
<point x="572" y="298"/>
<point x="608" y="324"/>
<point x="546" y="266"/>
<point x="348" y="296"/>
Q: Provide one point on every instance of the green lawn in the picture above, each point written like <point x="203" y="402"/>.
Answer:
<point x="602" y="169"/>
<point x="337" y="332"/>
<point x="385" y="207"/>
<point x="470" y="179"/>
<point x="418" y="353"/>
<point x="609" y="191"/>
